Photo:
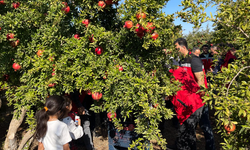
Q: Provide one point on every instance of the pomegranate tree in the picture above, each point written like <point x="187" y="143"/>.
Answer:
<point x="94" y="46"/>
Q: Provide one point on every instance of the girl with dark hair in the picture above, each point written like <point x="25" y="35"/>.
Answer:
<point x="75" y="130"/>
<point x="51" y="133"/>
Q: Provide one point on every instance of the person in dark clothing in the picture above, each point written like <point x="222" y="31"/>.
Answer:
<point x="188" y="104"/>
<point x="204" y="120"/>
<point x="206" y="57"/>
<point x="79" y="99"/>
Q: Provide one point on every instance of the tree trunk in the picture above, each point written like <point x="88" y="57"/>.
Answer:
<point x="28" y="137"/>
<point x="10" y="141"/>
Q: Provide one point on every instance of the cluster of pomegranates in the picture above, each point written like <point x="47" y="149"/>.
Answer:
<point x="140" y="30"/>
<point x="95" y="95"/>
<point x="12" y="43"/>
<point x="103" y="4"/>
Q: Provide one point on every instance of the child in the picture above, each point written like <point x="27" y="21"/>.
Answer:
<point x="51" y="133"/>
<point x="76" y="131"/>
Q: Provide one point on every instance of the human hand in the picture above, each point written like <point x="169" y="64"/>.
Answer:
<point x="81" y="110"/>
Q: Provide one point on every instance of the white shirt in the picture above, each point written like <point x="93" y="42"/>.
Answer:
<point x="75" y="131"/>
<point x="56" y="136"/>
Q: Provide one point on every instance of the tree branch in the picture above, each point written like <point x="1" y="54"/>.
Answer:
<point x="238" y="29"/>
<point x="14" y="125"/>
<point x="231" y="26"/>
<point x="25" y="139"/>
<point x="235" y="78"/>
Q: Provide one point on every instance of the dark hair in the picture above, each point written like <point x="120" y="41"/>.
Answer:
<point x="204" y="46"/>
<point x="54" y="105"/>
<point x="67" y="102"/>
<point x="181" y="42"/>
<point x="195" y="48"/>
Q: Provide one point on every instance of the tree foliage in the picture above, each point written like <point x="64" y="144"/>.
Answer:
<point x="65" y="63"/>
<point x="198" y="38"/>
<point x="230" y="88"/>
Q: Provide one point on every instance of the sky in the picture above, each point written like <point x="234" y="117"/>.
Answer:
<point x="173" y="6"/>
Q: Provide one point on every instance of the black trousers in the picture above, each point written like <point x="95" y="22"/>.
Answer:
<point x="186" y="137"/>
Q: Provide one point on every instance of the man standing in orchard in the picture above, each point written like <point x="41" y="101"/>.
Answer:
<point x="194" y="67"/>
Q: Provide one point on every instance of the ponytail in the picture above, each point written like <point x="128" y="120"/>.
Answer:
<point x="41" y="128"/>
<point x="53" y="106"/>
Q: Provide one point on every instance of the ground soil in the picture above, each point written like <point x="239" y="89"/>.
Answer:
<point x="100" y="136"/>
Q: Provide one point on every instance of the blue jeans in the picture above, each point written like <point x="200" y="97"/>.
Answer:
<point x="207" y="129"/>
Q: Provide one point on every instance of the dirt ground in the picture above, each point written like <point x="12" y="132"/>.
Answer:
<point x="100" y="137"/>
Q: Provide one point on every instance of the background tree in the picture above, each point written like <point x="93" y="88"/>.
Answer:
<point x="230" y="88"/>
<point x="198" y="37"/>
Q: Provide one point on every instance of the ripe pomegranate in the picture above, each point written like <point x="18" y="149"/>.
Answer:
<point x="96" y="96"/>
<point x="102" y="4"/>
<point x="120" y="68"/>
<point x="66" y="9"/>
<point x="108" y="2"/>
<point x="150" y="27"/>
<point x="15" y="43"/>
<point x="154" y="36"/>
<point x="128" y="24"/>
<point x="15" y="5"/>
<point x="0" y="28"/>
<point x="16" y="66"/>
<point x="39" y="52"/>
<point x="131" y="127"/>
<point x="86" y="22"/>
<point x="98" y="50"/>
<point x="10" y="36"/>
<point x="52" y="84"/>
<point x="229" y="129"/>
<point x="53" y="74"/>
<point x="77" y="36"/>
<point x="109" y="115"/>
<point x="89" y="92"/>
<point x="141" y="15"/>
<point x="2" y="2"/>
<point x="139" y="28"/>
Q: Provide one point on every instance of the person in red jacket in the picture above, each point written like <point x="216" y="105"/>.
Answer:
<point x="188" y="104"/>
<point x="230" y="56"/>
<point x="206" y="57"/>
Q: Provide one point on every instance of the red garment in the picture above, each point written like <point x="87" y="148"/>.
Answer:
<point x="190" y="72"/>
<point x="186" y="101"/>
<point x="229" y="56"/>
<point x="207" y="62"/>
